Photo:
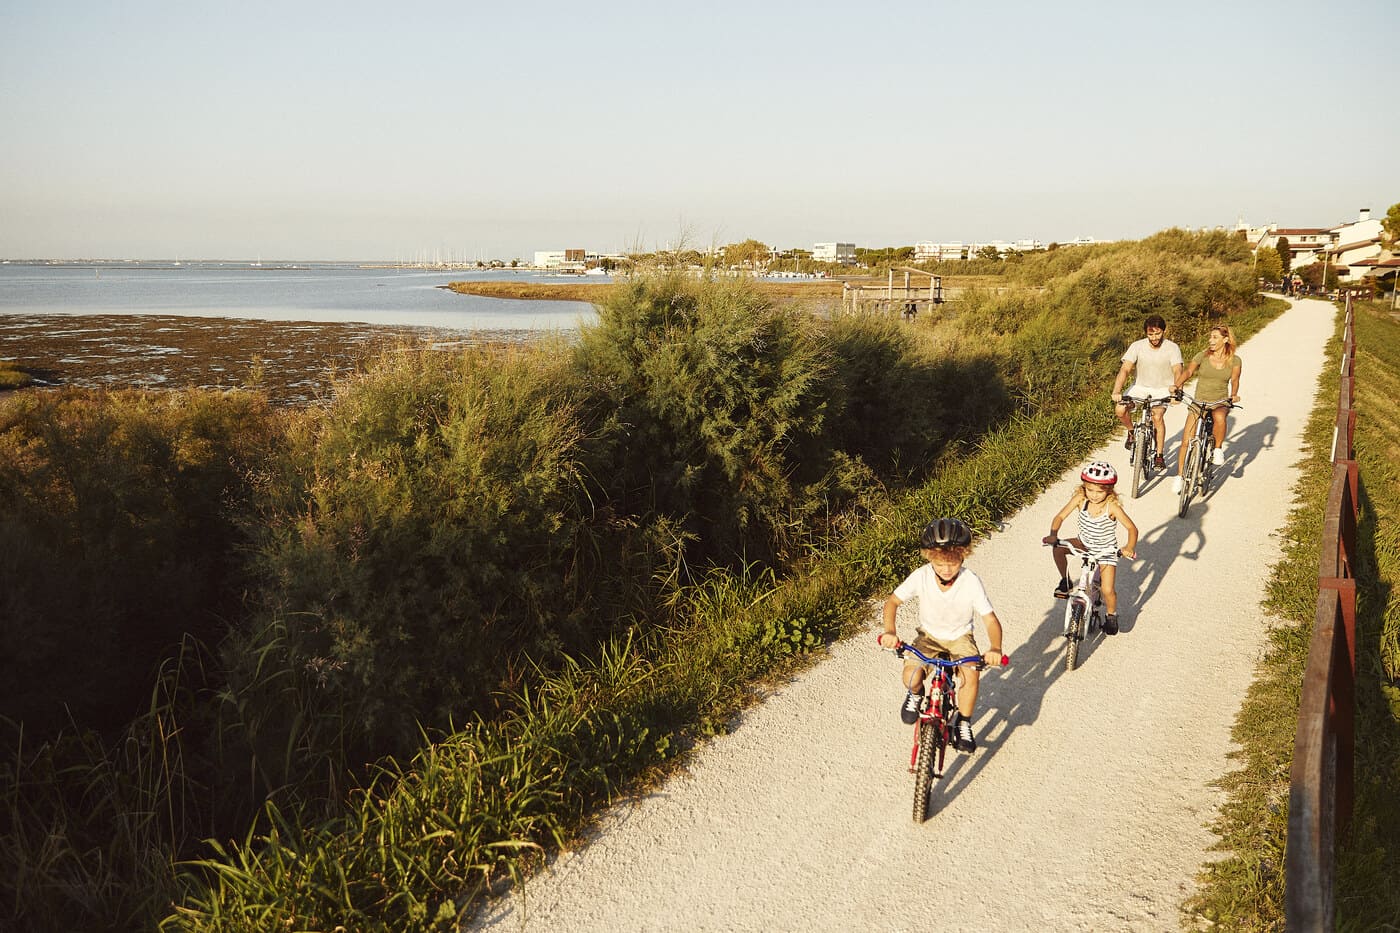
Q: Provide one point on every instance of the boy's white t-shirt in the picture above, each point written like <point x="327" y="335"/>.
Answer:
<point x="945" y="615"/>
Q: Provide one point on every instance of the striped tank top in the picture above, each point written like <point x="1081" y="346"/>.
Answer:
<point x="1099" y="534"/>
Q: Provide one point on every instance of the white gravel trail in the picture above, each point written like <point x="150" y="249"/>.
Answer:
<point x="1087" y="804"/>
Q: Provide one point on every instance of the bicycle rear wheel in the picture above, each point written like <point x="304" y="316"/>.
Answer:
<point x="929" y="739"/>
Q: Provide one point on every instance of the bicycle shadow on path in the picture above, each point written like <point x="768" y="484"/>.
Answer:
<point x="1185" y="538"/>
<point x="1009" y="700"/>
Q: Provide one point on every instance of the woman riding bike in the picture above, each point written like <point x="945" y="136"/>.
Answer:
<point x="1217" y="372"/>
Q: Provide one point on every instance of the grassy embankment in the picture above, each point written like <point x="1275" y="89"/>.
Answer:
<point x="436" y="615"/>
<point x="1245" y="890"/>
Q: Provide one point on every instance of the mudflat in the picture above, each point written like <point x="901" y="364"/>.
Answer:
<point x="294" y="362"/>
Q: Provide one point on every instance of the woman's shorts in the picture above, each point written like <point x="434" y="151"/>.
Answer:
<point x="962" y="647"/>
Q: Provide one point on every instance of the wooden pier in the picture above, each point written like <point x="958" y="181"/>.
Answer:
<point x="907" y="299"/>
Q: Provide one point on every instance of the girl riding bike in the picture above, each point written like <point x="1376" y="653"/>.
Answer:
<point x="950" y="598"/>
<point x="1099" y="515"/>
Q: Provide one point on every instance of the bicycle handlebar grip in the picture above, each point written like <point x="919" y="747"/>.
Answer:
<point x="1005" y="660"/>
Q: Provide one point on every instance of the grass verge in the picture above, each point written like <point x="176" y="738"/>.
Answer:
<point x="1244" y="890"/>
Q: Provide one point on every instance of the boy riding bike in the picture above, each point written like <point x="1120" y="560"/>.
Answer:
<point x="950" y="597"/>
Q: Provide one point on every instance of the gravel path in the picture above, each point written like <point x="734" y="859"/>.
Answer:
<point x="1087" y="804"/>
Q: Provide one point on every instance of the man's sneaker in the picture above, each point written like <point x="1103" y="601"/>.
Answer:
<point x="910" y="708"/>
<point x="1159" y="462"/>
<point x="1062" y="588"/>
<point x="1217" y="457"/>
<point x="1176" y="486"/>
<point x="963" y="739"/>
<point x="1110" y="624"/>
<point x="1128" y="442"/>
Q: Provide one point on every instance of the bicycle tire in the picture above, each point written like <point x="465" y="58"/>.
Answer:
<point x="1189" y="477"/>
<point x="1073" y="636"/>
<point x="1141" y="455"/>
<point x="923" y="767"/>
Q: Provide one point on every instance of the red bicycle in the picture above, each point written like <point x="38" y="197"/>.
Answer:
<point x="938" y="718"/>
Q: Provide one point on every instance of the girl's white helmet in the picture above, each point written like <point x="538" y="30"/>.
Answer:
<point x="1099" y="472"/>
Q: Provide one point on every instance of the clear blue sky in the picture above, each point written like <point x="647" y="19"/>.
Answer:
<point x="349" y="130"/>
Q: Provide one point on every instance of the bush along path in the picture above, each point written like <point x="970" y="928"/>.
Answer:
<point x="1087" y="804"/>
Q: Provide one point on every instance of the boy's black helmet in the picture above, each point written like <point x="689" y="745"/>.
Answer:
<point x="945" y="532"/>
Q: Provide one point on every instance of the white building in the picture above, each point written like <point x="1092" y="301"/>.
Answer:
<point x="844" y="253"/>
<point x="1354" y="245"/>
<point x="925" y="250"/>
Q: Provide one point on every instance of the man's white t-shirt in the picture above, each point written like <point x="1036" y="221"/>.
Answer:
<point x="945" y="615"/>
<point x="1152" y="366"/>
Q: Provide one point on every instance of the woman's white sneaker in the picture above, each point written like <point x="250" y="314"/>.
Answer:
<point x="1176" y="486"/>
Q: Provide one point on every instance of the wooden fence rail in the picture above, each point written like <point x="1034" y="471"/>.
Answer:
<point x="1321" y="786"/>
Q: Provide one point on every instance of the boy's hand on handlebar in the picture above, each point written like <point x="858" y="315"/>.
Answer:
<point x="1049" y="539"/>
<point x="1130" y="554"/>
<point x="995" y="659"/>
<point x="893" y="641"/>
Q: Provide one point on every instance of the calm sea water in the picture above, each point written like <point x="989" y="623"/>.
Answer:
<point x="282" y="292"/>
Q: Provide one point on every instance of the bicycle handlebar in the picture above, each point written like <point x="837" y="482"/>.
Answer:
<point x="1069" y="546"/>
<point x="1133" y="401"/>
<point x="902" y="646"/>
<point x="1192" y="400"/>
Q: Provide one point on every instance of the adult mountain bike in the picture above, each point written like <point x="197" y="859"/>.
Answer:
<point x="1144" y="454"/>
<point x="1198" y="470"/>
<point x="1084" y="606"/>
<point x="938" y="718"/>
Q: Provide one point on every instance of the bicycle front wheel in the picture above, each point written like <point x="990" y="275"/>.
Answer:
<point x="929" y="739"/>
<point x="1141" y="453"/>
<point x="1190" y="476"/>
<point x="1074" y="634"/>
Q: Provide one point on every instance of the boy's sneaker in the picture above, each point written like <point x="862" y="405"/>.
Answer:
<point x="1159" y="462"/>
<point x="1062" y="588"/>
<point x="911" y="707"/>
<point x="963" y="739"/>
<point x="1217" y="457"/>
<point x="1110" y="624"/>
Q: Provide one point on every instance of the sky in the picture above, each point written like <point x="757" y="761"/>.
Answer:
<point x="469" y="130"/>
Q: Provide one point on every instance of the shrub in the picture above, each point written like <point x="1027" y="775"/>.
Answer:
<point x="117" y="537"/>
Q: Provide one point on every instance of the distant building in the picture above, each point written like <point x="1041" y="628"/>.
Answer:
<point x="844" y="253"/>
<point x="925" y="250"/>
<point x="1354" y="246"/>
<point x="565" y="260"/>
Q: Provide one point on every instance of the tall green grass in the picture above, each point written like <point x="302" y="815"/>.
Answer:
<point x="465" y="577"/>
